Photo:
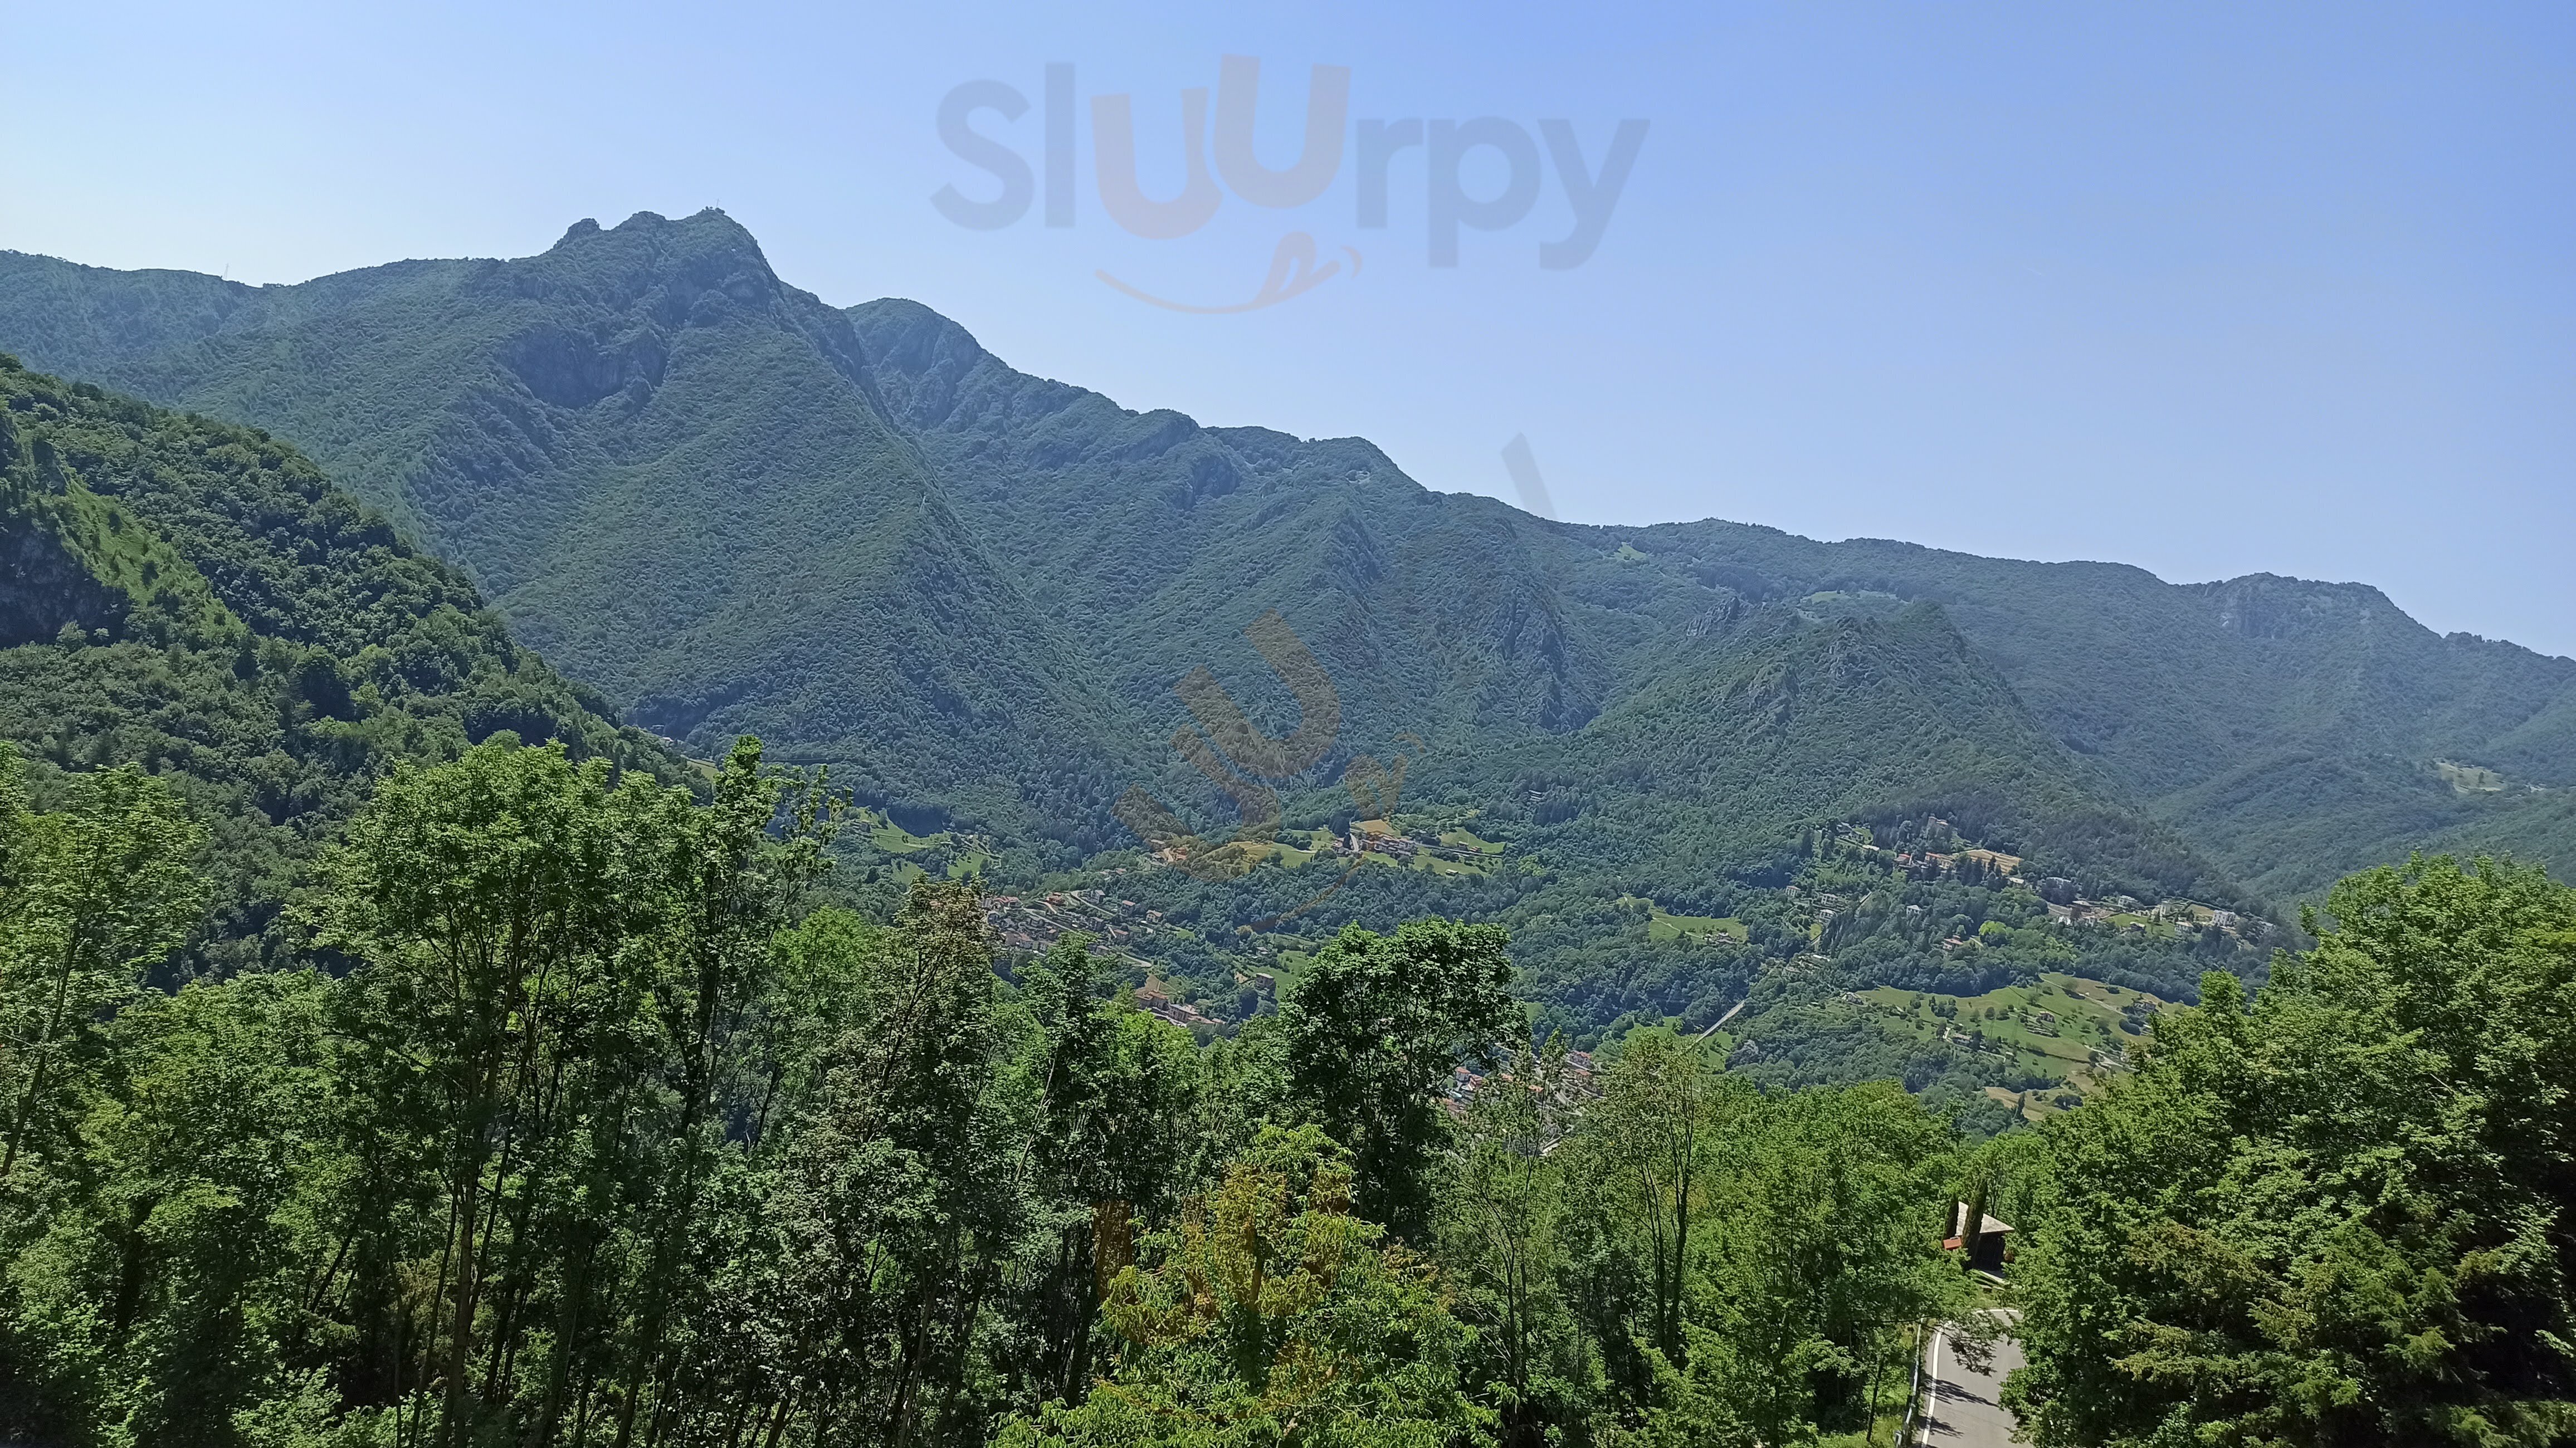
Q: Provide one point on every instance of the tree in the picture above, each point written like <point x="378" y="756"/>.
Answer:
<point x="1271" y="1314"/>
<point x="1501" y="1233"/>
<point x="499" y="905"/>
<point x="1826" y="1253"/>
<point x="96" y="895"/>
<point x="1114" y="1094"/>
<point x="1749" y="1264"/>
<point x="875" y="1224"/>
<point x="1375" y="1024"/>
<point x="744" y="864"/>
<point x="2339" y="1215"/>
<point x="1652" y="1145"/>
<point x="168" y="1297"/>
<point x="555" y="966"/>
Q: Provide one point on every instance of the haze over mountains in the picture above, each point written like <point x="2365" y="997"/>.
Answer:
<point x="733" y="508"/>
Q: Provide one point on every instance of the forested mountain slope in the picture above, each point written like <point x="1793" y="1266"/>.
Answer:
<point x="649" y="452"/>
<point x="861" y="535"/>
<point x="194" y="597"/>
<point x="2293" y="729"/>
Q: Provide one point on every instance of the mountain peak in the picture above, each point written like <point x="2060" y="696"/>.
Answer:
<point x="2271" y="607"/>
<point x="908" y="335"/>
<point x="707" y="231"/>
<point x="673" y="268"/>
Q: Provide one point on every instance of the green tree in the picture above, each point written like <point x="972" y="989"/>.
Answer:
<point x="496" y="904"/>
<point x="1271" y="1314"/>
<point x="1662" y="1126"/>
<point x="744" y="865"/>
<point x="1114" y="1093"/>
<point x="1826" y="1254"/>
<point x="1750" y="1264"/>
<point x="1502" y="1221"/>
<point x="2339" y="1215"/>
<point x="97" y="895"/>
<point x="162" y="1303"/>
<point x="882" y="1207"/>
<point x="1375" y="1024"/>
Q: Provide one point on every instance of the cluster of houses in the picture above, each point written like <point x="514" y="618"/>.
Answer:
<point x="1573" y="1088"/>
<point x="1157" y="1000"/>
<point x="1377" y="837"/>
<point x="1927" y="865"/>
<point x="2065" y="907"/>
<point x="1034" y="924"/>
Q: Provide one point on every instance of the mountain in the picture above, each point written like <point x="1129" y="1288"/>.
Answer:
<point x="194" y="597"/>
<point x="2293" y="730"/>
<point x="576" y="433"/>
<point x="731" y="507"/>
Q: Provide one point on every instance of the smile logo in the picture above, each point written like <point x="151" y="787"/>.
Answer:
<point x="1218" y="161"/>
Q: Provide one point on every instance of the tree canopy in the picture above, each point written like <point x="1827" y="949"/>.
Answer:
<point x="2338" y="1212"/>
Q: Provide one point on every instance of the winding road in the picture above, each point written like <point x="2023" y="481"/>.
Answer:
<point x="1962" y="1406"/>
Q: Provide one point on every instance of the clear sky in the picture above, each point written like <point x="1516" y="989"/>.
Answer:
<point x="2213" y="289"/>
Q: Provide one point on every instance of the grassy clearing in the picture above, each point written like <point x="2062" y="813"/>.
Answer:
<point x="1664" y="925"/>
<point x="2056" y="1026"/>
<point x="2469" y="778"/>
<point x="893" y="838"/>
<point x="1442" y="865"/>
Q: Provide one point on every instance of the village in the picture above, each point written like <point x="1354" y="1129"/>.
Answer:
<point x="2124" y="913"/>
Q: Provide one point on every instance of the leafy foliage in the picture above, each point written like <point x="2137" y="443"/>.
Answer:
<point x="1375" y="1025"/>
<point x="194" y="599"/>
<point x="610" y="1133"/>
<point x="2340" y="1214"/>
<point x="1273" y="1314"/>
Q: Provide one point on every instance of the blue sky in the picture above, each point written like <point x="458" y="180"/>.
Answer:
<point x="2212" y="289"/>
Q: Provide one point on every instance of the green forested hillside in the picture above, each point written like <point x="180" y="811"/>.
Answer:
<point x="646" y="450"/>
<point x="1794" y="720"/>
<point x="1641" y="946"/>
<point x="605" y="1130"/>
<point x="2290" y="729"/>
<point x="195" y="598"/>
<point x="857" y="533"/>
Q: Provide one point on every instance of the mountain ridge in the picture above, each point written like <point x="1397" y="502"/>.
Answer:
<point x="649" y="404"/>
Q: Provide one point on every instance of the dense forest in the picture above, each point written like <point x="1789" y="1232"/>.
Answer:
<point x="589" y="1124"/>
<point x="1646" y="958"/>
<point x="196" y="599"/>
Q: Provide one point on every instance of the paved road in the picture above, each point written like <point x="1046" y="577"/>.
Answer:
<point x="1962" y="1407"/>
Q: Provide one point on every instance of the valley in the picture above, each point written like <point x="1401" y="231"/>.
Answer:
<point x="1179" y="726"/>
<point x="845" y="936"/>
<point x="719" y="500"/>
<point x="1677" y="761"/>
